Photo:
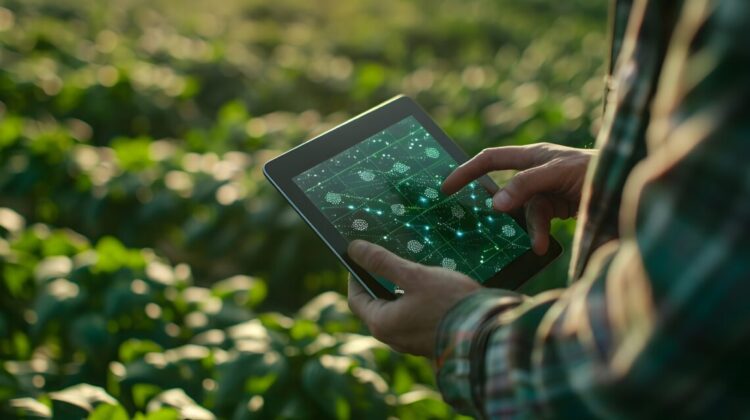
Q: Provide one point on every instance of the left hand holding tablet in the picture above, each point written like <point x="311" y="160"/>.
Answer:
<point x="408" y="324"/>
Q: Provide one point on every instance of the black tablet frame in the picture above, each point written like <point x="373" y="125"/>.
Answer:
<point x="281" y="170"/>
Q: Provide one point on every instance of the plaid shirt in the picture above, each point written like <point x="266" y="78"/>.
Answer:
<point x="656" y="320"/>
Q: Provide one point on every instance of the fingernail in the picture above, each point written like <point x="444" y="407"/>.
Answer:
<point x="501" y="200"/>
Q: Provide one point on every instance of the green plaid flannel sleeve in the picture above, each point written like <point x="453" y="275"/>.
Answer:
<point x="659" y="324"/>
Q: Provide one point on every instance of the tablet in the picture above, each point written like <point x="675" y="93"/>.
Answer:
<point x="377" y="177"/>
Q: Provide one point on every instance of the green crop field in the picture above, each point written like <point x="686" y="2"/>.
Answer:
<point x="148" y="270"/>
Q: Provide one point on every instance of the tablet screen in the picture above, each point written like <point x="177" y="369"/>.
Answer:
<point x="386" y="190"/>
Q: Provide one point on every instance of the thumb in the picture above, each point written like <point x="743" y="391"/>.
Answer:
<point x="378" y="260"/>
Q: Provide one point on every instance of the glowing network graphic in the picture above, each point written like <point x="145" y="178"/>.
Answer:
<point x="386" y="190"/>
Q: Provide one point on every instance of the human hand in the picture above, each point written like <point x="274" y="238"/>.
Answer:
<point x="408" y="324"/>
<point x="548" y="185"/>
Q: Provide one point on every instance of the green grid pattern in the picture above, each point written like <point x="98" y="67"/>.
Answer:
<point x="386" y="190"/>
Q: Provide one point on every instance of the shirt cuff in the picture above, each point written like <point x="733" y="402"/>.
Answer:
<point x="458" y="336"/>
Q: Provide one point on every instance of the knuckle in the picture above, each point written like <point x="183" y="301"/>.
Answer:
<point x="377" y="259"/>
<point x="402" y="271"/>
<point x="544" y="145"/>
<point x="545" y="151"/>
<point x="518" y="183"/>
<point x="484" y="153"/>
<point x="409" y="270"/>
<point x="485" y="156"/>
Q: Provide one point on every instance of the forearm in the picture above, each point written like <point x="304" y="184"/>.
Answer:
<point x="458" y="339"/>
<point x="487" y="346"/>
<point x="658" y="325"/>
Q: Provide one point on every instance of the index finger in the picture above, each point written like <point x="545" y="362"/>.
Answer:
<point x="488" y="160"/>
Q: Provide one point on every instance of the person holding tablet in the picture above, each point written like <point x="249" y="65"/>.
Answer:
<point x="655" y="321"/>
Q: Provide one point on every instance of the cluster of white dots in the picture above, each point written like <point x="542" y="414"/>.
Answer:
<point x="430" y="193"/>
<point x="432" y="152"/>
<point x="400" y="167"/>
<point x="414" y="246"/>
<point x="448" y="263"/>
<point x="458" y="212"/>
<point x="366" y="176"/>
<point x="333" y="198"/>
<point x="360" y="225"/>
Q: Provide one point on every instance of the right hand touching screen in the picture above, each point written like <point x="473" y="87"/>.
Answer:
<point x="548" y="183"/>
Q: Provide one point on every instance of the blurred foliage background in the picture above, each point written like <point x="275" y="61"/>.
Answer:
<point x="149" y="270"/>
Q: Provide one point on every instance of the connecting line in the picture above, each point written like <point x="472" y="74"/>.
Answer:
<point x="320" y="183"/>
<point x="405" y="200"/>
<point x="499" y="255"/>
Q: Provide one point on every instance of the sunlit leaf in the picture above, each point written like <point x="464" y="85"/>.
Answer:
<point x="178" y="400"/>
<point x="79" y="400"/>
<point x="108" y="412"/>
<point x="112" y="256"/>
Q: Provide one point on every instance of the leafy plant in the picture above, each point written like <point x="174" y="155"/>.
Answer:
<point x="149" y="271"/>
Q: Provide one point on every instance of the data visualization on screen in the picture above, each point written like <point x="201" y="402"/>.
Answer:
<point x="386" y="190"/>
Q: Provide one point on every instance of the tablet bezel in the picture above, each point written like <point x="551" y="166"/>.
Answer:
<point x="281" y="170"/>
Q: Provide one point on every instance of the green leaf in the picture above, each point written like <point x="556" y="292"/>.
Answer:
<point x="21" y="345"/>
<point x="304" y="330"/>
<point x="402" y="380"/>
<point x="297" y="407"/>
<point x="165" y="413"/>
<point x="233" y="111"/>
<point x="133" y="154"/>
<point x="108" y="412"/>
<point x="142" y="393"/>
<point x="343" y="410"/>
<point x="89" y="333"/>
<point x="112" y="256"/>
<point x="241" y="290"/>
<point x="177" y="399"/>
<point x="63" y="242"/>
<point x="133" y="349"/>
<point x="52" y="267"/>
<point x="187" y="365"/>
<point x="260" y="384"/>
<point x="8" y="385"/>
<point x="330" y="310"/>
<point x="55" y="303"/>
<point x="29" y="408"/>
<point x="370" y="77"/>
<point x="17" y="276"/>
<point x="365" y="349"/>
<point x="329" y="378"/>
<point x="79" y="400"/>
<point x="422" y="403"/>
<point x="11" y="128"/>
<point x="10" y="220"/>
<point x="121" y="300"/>
<point x="247" y="372"/>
